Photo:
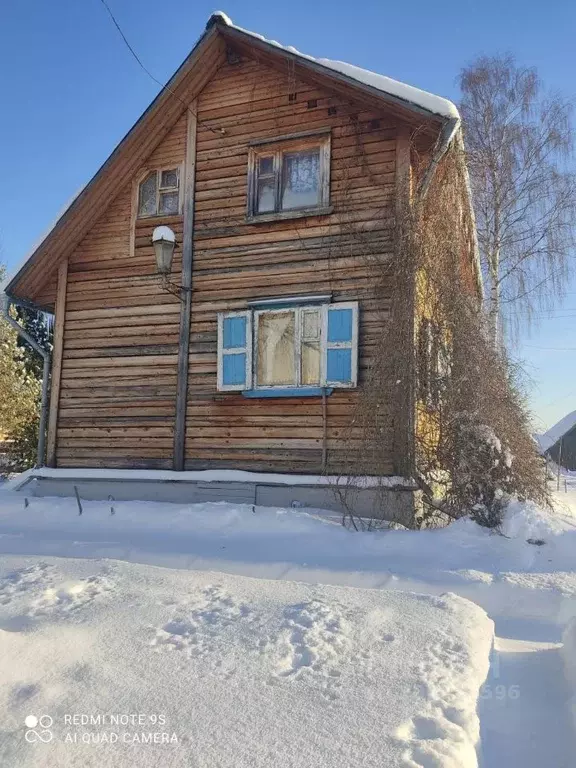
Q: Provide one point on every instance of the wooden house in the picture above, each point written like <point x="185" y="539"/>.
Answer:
<point x="269" y="173"/>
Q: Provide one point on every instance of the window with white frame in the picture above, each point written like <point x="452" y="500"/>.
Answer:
<point x="288" y="347"/>
<point x="287" y="176"/>
<point x="159" y="193"/>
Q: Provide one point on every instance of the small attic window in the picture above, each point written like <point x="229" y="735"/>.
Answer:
<point x="159" y="193"/>
<point x="289" y="176"/>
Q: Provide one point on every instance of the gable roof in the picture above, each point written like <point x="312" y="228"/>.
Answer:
<point x="408" y="94"/>
<point x="408" y="103"/>
<point x="559" y="430"/>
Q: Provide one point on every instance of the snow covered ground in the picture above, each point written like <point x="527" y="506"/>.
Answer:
<point x="344" y="649"/>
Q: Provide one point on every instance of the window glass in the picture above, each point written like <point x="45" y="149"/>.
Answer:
<point x="147" y="203"/>
<point x="169" y="179"/>
<point x="168" y="202"/>
<point x="275" y="349"/>
<point x="266" y="195"/>
<point x="266" y="165"/>
<point x="310" y="358"/>
<point x="310" y="324"/>
<point x="300" y="179"/>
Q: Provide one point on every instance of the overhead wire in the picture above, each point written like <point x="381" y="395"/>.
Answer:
<point x="164" y="86"/>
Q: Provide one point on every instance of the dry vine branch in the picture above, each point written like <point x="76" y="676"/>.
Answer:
<point x="439" y="405"/>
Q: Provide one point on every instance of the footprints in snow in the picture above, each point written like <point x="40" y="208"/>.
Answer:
<point x="24" y="580"/>
<point x="43" y="596"/>
<point x="70" y="596"/>
<point x="443" y="722"/>
<point x="312" y="643"/>
<point x="199" y="628"/>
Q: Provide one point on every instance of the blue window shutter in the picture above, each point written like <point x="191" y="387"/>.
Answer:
<point x="340" y="323"/>
<point x="341" y="346"/>
<point x="234" y="332"/>
<point x="234" y="351"/>
<point x="339" y="365"/>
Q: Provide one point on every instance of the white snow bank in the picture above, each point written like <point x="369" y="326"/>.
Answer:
<point x="526" y="520"/>
<point x="204" y="476"/>
<point x="569" y="656"/>
<point x="236" y="672"/>
<point x="408" y="93"/>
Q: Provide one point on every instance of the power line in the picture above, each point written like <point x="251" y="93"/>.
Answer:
<point x="551" y="349"/>
<point x="219" y="131"/>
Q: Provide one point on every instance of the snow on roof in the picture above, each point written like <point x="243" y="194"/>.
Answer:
<point x="423" y="99"/>
<point x="554" y="434"/>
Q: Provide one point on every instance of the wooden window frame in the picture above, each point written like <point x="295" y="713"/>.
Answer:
<point x="159" y="170"/>
<point x="298" y="310"/>
<point x="276" y="148"/>
<point x="252" y="387"/>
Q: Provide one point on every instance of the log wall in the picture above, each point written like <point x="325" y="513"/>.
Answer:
<point x="235" y="261"/>
<point x="118" y="380"/>
<point x="120" y="346"/>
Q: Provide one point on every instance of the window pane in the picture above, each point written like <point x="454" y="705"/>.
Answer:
<point x="266" y="165"/>
<point x="310" y="362"/>
<point x="147" y="204"/>
<point x="310" y="324"/>
<point x="276" y="349"/>
<point x="168" y="202"/>
<point x="300" y="179"/>
<point x="169" y="179"/>
<point x="266" y="194"/>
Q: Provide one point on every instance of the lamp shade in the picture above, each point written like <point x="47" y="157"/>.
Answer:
<point x="164" y="241"/>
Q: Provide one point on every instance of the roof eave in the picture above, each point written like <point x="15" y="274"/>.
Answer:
<point x="10" y="287"/>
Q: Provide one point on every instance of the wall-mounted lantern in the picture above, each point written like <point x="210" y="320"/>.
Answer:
<point x="164" y="242"/>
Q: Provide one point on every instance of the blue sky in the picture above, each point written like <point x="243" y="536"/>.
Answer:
<point x="70" y="91"/>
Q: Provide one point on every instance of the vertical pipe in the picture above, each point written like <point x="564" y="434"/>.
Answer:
<point x="179" y="451"/>
<point x="41" y="458"/>
<point x="324" y="431"/>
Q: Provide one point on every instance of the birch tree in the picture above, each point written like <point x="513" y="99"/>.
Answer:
<point x="519" y="141"/>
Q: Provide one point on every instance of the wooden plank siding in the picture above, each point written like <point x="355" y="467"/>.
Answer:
<point x="119" y="372"/>
<point x="119" y="367"/>
<point x="236" y="261"/>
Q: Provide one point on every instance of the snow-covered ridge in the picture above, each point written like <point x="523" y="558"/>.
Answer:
<point x="429" y="101"/>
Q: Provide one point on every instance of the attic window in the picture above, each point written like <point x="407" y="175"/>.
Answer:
<point x="289" y="177"/>
<point x="159" y="193"/>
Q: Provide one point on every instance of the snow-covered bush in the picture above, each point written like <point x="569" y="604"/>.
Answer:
<point x="482" y="471"/>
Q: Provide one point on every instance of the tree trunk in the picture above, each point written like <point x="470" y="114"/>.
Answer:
<point x="494" y="306"/>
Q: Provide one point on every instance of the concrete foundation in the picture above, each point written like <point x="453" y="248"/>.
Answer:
<point x="397" y="503"/>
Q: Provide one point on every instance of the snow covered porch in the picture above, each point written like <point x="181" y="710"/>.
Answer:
<point x="393" y="497"/>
